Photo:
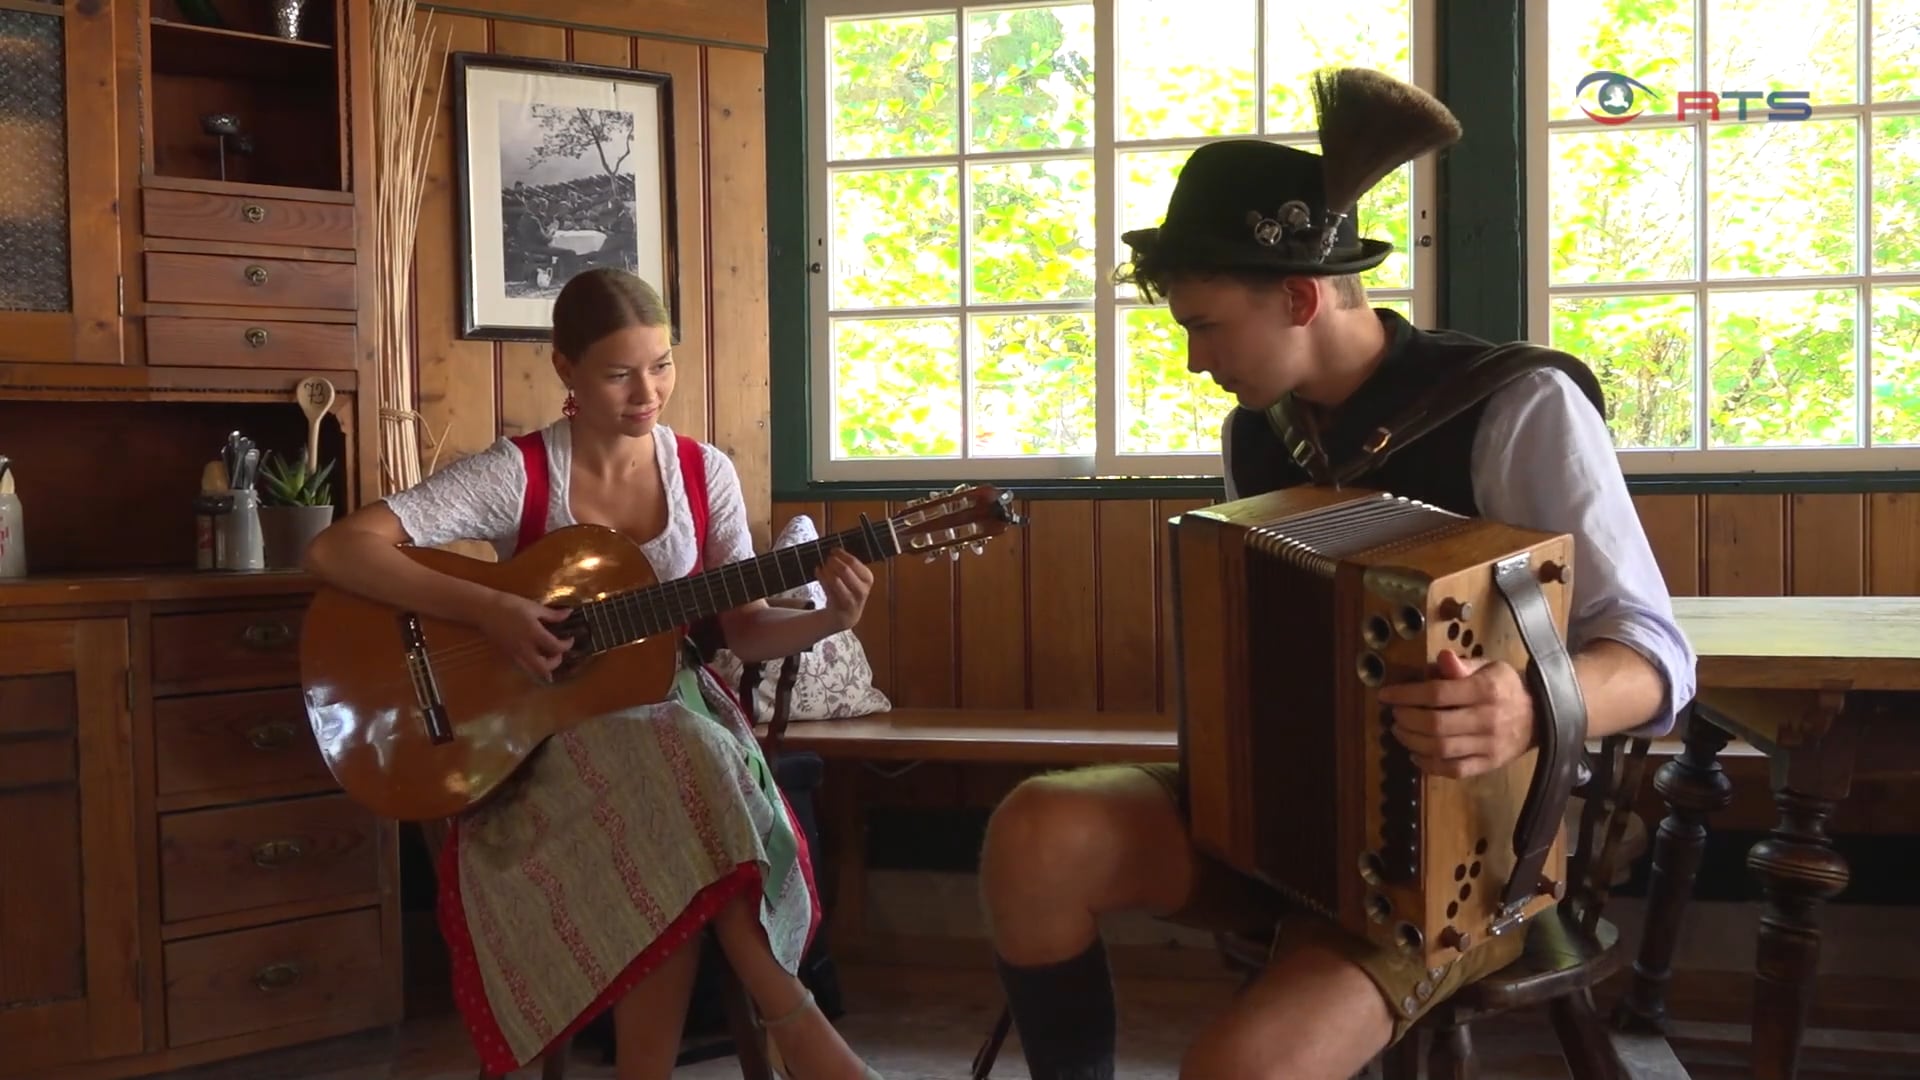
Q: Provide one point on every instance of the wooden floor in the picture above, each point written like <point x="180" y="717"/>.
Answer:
<point x="915" y="1024"/>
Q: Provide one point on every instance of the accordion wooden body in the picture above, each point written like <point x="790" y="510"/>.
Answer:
<point x="1293" y="609"/>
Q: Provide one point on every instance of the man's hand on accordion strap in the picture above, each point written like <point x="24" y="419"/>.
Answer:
<point x="1472" y="716"/>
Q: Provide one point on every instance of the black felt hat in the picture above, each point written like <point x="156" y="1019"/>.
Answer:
<point x="1247" y="204"/>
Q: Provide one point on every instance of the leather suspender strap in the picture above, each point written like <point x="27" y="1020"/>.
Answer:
<point x="1488" y="374"/>
<point x="693" y="477"/>
<point x="534" y="500"/>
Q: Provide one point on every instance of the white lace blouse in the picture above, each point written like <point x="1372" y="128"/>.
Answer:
<point x="479" y="498"/>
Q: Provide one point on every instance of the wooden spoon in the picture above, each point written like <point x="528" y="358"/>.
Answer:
<point x="315" y="395"/>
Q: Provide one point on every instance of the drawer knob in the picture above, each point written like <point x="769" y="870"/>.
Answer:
<point x="256" y="337"/>
<point x="277" y="853"/>
<point x="273" y="635"/>
<point x="276" y="977"/>
<point x="275" y="735"/>
<point x="256" y="213"/>
<point x="257" y="274"/>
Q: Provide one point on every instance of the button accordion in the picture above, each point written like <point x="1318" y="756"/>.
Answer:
<point x="1293" y="609"/>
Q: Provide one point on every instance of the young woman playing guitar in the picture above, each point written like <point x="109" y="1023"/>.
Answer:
<point x="587" y="883"/>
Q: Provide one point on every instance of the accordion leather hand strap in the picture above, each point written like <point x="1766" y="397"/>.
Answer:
<point x="1560" y="731"/>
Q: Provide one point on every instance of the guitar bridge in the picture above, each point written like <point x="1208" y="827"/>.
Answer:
<point x="426" y="692"/>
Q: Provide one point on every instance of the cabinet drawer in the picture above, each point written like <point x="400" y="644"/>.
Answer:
<point x="214" y="862"/>
<point x="199" y="215"/>
<point x="227" y="650"/>
<point x="305" y="971"/>
<point x="177" y="278"/>
<point x="260" y="742"/>
<point x="246" y="343"/>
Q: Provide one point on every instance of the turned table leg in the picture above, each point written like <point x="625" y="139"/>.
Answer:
<point x="1797" y="869"/>
<point x="1693" y="785"/>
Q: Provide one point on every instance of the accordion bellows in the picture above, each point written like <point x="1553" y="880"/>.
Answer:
<point x="1292" y="610"/>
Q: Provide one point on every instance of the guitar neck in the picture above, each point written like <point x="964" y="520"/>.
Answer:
<point x="626" y="617"/>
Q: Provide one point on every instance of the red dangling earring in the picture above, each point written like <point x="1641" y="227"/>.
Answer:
<point x="572" y="408"/>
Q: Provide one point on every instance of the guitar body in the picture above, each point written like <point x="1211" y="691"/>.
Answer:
<point x="370" y="670"/>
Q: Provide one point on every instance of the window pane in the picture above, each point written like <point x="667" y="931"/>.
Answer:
<point x="895" y="88"/>
<point x="1641" y="350"/>
<point x="896" y="388"/>
<point x="1805" y="45"/>
<point x="1648" y="40"/>
<point x="1896" y="50"/>
<point x="1164" y="408"/>
<point x="1623" y="204"/>
<point x="1302" y="38"/>
<point x="1033" y="384"/>
<point x="1032" y="231"/>
<point x="1146" y="183"/>
<point x="1783" y="368"/>
<point x="1896" y="193"/>
<point x="896" y="237"/>
<point x="1896" y="365"/>
<point x="1404" y="307"/>
<point x="1186" y="67"/>
<point x="1030" y="78"/>
<point x="1780" y="198"/>
<point x="38" y="274"/>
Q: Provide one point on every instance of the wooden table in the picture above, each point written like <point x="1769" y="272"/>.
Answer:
<point x="1826" y="688"/>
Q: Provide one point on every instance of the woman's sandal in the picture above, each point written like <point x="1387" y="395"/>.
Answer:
<point x="774" y="1060"/>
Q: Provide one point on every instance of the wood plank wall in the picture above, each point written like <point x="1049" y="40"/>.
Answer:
<point x="472" y="392"/>
<point x="1072" y="609"/>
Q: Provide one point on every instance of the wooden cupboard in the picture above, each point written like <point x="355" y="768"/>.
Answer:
<point x="185" y="234"/>
<point x="184" y="880"/>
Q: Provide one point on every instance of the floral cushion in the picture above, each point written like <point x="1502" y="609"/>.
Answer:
<point x="834" y="680"/>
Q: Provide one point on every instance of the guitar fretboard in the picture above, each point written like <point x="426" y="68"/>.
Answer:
<point x="623" y="618"/>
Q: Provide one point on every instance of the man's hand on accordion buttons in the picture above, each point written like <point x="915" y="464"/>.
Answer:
<point x="1472" y="716"/>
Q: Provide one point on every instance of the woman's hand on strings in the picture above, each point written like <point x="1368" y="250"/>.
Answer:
<point x="518" y="627"/>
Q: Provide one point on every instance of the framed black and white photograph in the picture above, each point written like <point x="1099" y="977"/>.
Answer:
<point x="560" y="167"/>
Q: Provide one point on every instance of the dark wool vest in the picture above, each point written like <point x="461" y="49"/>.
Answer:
<point x="1420" y="365"/>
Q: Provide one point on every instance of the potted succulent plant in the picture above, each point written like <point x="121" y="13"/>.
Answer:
<point x="295" y="505"/>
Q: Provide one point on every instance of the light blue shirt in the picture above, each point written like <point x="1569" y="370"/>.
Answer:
<point x="1544" y="459"/>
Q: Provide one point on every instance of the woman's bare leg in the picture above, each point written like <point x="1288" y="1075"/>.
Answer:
<point x="808" y="1043"/>
<point x="648" y="1021"/>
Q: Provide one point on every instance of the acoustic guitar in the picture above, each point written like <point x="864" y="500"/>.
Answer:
<point x="421" y="718"/>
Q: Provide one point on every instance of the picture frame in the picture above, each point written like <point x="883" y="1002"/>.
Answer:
<point x="558" y="167"/>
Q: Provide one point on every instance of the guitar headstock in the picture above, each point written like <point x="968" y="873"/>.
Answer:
<point x="952" y="521"/>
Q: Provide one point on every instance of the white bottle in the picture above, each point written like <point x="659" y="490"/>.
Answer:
<point x="13" y="535"/>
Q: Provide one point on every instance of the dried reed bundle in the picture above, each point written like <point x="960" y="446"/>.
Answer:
<point x="404" y="55"/>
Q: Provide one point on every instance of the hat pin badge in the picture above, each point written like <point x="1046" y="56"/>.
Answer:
<point x="1293" y="217"/>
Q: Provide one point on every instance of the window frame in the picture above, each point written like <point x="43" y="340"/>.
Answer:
<point x="1106" y="465"/>
<point x="1703" y="461"/>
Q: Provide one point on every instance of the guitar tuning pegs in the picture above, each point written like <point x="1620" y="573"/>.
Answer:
<point x="953" y="554"/>
<point x="978" y="546"/>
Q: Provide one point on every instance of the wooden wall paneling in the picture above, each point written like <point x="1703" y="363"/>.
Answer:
<point x="689" y="410"/>
<point x="1672" y="524"/>
<point x="530" y="393"/>
<point x="1826" y="551"/>
<point x="1746" y="545"/>
<point x="924" y="658"/>
<point x="994" y="601"/>
<point x="457" y="379"/>
<point x="1128" y="543"/>
<point x="1063" y="609"/>
<point x="732" y="22"/>
<point x="875" y="630"/>
<point x="1163" y="511"/>
<point x="737" y="257"/>
<point x="1893" y="544"/>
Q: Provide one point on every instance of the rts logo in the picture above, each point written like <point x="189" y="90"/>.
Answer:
<point x="1622" y="98"/>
